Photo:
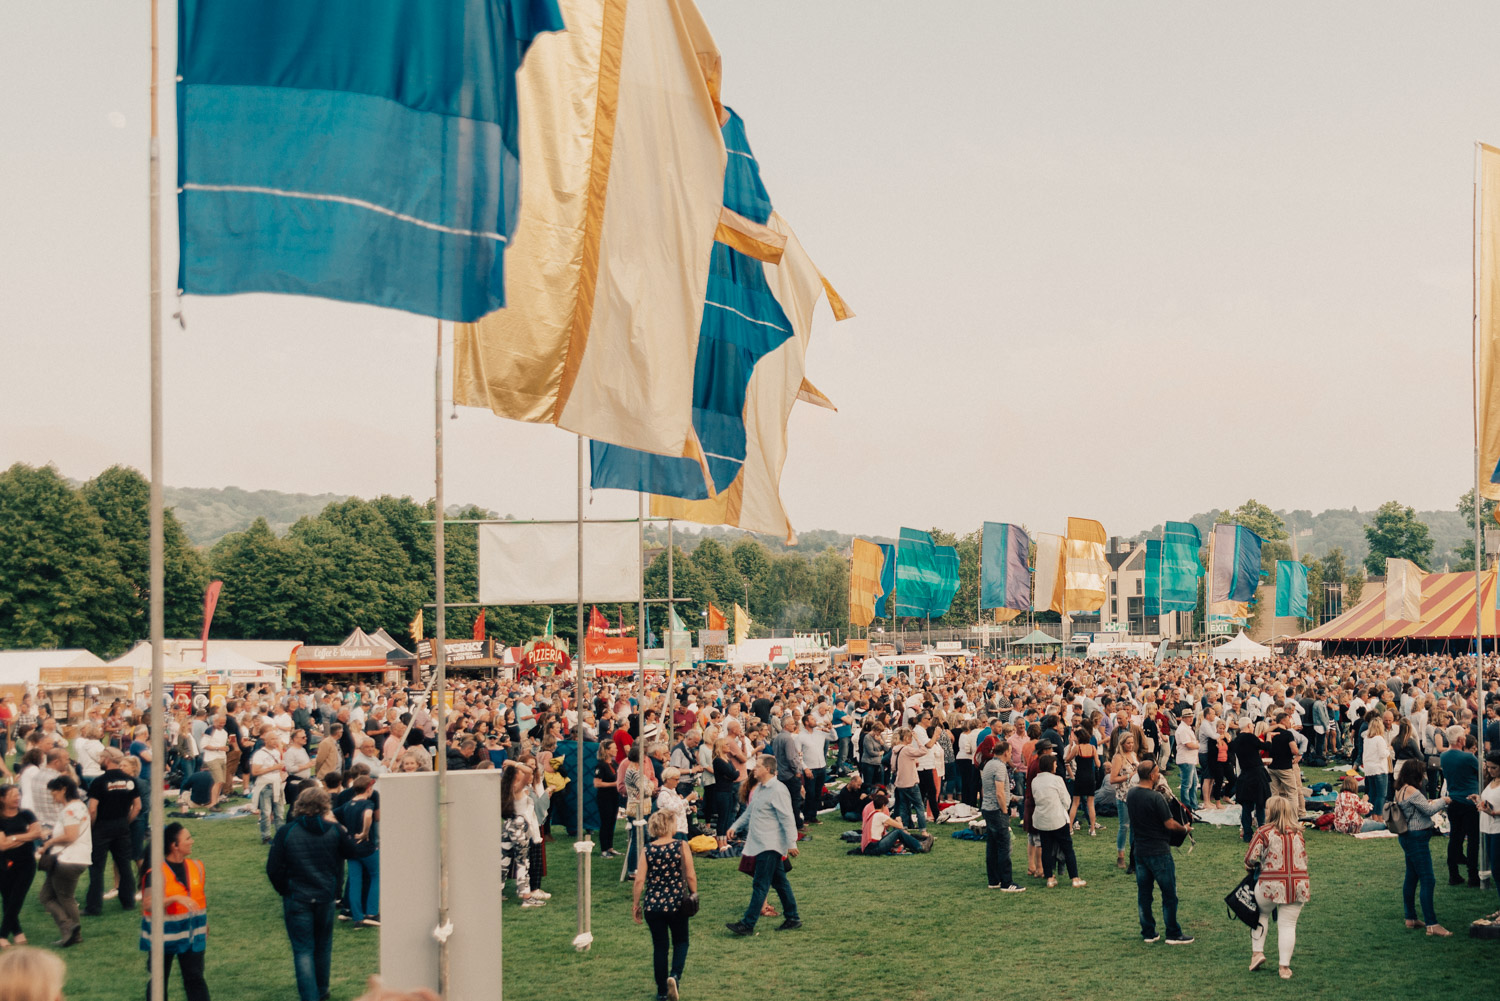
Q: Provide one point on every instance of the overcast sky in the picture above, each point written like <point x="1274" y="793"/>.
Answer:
<point x="1126" y="261"/>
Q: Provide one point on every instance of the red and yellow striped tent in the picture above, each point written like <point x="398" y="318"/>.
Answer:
<point x="1447" y="614"/>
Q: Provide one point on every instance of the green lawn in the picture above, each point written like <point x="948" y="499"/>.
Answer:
<point x="922" y="927"/>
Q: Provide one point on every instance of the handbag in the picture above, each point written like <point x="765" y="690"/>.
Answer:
<point x="747" y="864"/>
<point x="1394" y="817"/>
<point x="1241" y="900"/>
<point x="688" y="907"/>
<point x="48" y="861"/>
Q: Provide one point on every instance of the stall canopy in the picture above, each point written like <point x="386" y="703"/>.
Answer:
<point x="1447" y="613"/>
<point x="1241" y="647"/>
<point x="185" y="663"/>
<point x="20" y="668"/>
<point x="1037" y="638"/>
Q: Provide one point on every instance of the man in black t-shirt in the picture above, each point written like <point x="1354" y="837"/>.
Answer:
<point x="761" y="708"/>
<point x="1150" y="824"/>
<point x="114" y="801"/>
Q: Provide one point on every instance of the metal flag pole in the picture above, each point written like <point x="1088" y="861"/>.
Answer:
<point x="583" y="847"/>
<point x="1478" y="201"/>
<point x="158" y="552"/>
<point x="440" y="662"/>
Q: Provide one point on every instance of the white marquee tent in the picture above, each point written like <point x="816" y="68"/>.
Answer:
<point x="1241" y="647"/>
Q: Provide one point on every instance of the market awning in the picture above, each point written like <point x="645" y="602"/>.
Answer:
<point x="1447" y="613"/>
<point x="1037" y="638"/>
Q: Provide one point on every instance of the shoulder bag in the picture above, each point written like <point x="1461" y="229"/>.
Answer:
<point x="1241" y="900"/>
<point x="1394" y="817"/>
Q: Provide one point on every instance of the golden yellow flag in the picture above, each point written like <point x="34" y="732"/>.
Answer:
<point x="864" y="581"/>
<point x="1489" y="320"/>
<point x="1085" y="566"/>
<point x="741" y="624"/>
<point x="416" y="626"/>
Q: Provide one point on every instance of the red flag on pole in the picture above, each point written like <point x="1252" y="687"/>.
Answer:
<point x="210" y="602"/>
<point x="479" y="626"/>
<point x="598" y="624"/>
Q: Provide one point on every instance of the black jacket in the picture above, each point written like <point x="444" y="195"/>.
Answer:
<point x="306" y="860"/>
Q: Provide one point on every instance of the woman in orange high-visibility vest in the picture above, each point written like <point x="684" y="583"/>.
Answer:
<point x="186" y="927"/>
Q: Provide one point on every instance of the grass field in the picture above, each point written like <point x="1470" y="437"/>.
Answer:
<point x="921" y="927"/>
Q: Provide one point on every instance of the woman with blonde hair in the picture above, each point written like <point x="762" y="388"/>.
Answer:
<point x="28" y="974"/>
<point x="1376" y="759"/>
<point x="663" y="879"/>
<point x="1279" y="851"/>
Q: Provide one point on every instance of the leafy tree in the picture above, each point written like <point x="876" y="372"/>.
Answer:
<point x="1314" y="588"/>
<point x="263" y="587"/>
<point x="687" y="582"/>
<point x="1465" y="550"/>
<point x="1266" y="523"/>
<point x="1355" y="588"/>
<point x="121" y="497"/>
<point x="719" y="569"/>
<point x="60" y="584"/>
<point x="1397" y="533"/>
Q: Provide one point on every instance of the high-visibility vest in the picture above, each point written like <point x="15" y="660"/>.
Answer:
<point x="186" y="927"/>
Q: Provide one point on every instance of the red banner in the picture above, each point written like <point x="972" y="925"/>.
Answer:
<point x="210" y="602"/>
<point x="610" y="650"/>
<point x="479" y="626"/>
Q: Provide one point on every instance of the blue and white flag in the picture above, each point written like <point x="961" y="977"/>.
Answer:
<point x="1004" y="567"/>
<point x="362" y="150"/>
<point x="1236" y="563"/>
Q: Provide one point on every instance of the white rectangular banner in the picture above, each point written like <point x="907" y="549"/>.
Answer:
<point x="524" y="564"/>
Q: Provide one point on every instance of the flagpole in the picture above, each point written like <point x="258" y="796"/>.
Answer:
<point x="158" y="548"/>
<point x="583" y="847"/>
<point x="440" y="664"/>
<point x="1478" y="203"/>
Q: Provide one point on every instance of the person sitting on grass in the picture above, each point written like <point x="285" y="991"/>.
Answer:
<point x="881" y="832"/>
<point x="853" y="799"/>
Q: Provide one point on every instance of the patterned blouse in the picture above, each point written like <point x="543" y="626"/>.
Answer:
<point x="664" y="878"/>
<point x="1349" y="813"/>
<point x="1283" y="864"/>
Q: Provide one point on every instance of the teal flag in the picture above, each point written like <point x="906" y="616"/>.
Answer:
<point x="918" y="578"/>
<point x="1180" y="569"/>
<point x="1291" y="589"/>
<point x="947" y="566"/>
<point x="1151" y="597"/>
<point x="1004" y="567"/>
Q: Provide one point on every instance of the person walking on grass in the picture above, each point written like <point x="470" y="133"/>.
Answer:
<point x="770" y="827"/>
<point x="113" y="803"/>
<point x="306" y="866"/>
<point x="994" y="806"/>
<point x="1050" y="818"/>
<point x="1418" y="812"/>
<point x="664" y="877"/>
<point x="66" y="856"/>
<point x="185" y="930"/>
<point x="1151" y="825"/>
<point x="1279" y="851"/>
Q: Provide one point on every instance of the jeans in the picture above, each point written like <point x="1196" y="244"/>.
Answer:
<point x="841" y="757"/>
<point x="1058" y="843"/>
<point x="997" y="848"/>
<point x="794" y="786"/>
<point x="1286" y="926"/>
<point x="888" y="842"/>
<point x="1463" y="820"/>
<point x="968" y="782"/>
<point x="309" y="926"/>
<point x="1376" y="787"/>
<point x="111" y="838"/>
<point x="813" y="798"/>
<point x="1161" y="870"/>
<point x="909" y="802"/>
<point x="364" y="898"/>
<point x="1418" y="872"/>
<point x="729" y="808"/>
<point x="1123" y="815"/>
<point x="1251" y="813"/>
<point x="1491" y="848"/>
<point x="1187" y="781"/>
<point x="770" y="874"/>
<point x="870" y="772"/>
<point x="927" y="782"/>
<point x="191" y="965"/>
<point x="270" y="817"/>
<point x="663" y="925"/>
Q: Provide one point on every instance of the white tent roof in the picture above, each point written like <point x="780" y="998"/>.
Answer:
<point x="1242" y="647"/>
<point x="181" y="659"/>
<point x="23" y="667"/>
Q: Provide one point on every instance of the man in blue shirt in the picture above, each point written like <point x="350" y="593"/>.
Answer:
<point x="843" y="731"/>
<point x="1461" y="772"/>
<point x="770" y="826"/>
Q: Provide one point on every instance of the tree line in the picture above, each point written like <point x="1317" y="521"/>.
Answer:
<point x="74" y="571"/>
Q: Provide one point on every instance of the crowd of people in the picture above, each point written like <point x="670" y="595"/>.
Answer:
<point x="743" y="762"/>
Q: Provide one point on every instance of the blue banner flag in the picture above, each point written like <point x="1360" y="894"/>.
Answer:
<point x="917" y="574"/>
<point x="742" y="323"/>
<point x="1291" y="589"/>
<point x="1151" y="589"/>
<point x="887" y="578"/>
<point x="1236" y="563"/>
<point x="1004" y="561"/>
<point x="947" y="586"/>
<point x="362" y="150"/>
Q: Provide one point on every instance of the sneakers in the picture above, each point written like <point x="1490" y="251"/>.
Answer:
<point x="1153" y="938"/>
<point x="370" y="922"/>
<point x="1080" y="882"/>
<point x="1012" y="888"/>
<point x="533" y="902"/>
<point x="790" y="924"/>
<point x="672" y="989"/>
<point x="111" y="894"/>
<point x="542" y="894"/>
<point x="740" y="928"/>
<point x="1188" y="940"/>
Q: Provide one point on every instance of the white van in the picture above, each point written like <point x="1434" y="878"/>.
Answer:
<point x="918" y="667"/>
